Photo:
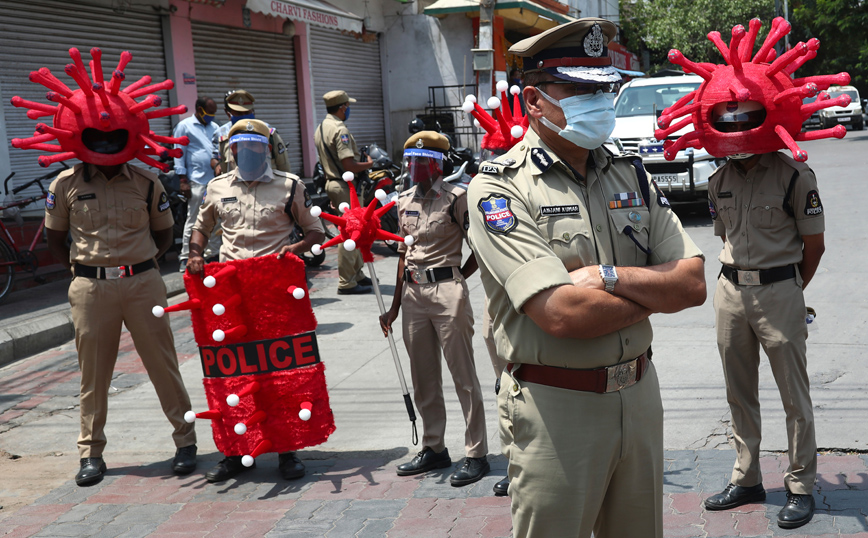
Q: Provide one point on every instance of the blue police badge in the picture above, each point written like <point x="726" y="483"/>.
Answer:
<point x="499" y="218"/>
<point x="711" y="210"/>
<point x="49" y="200"/>
<point x="345" y="139"/>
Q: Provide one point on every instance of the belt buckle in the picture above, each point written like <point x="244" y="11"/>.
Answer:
<point x="621" y="376"/>
<point x="112" y="273"/>
<point x="419" y="277"/>
<point x="748" y="278"/>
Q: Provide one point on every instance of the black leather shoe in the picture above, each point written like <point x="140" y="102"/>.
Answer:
<point x="365" y="282"/>
<point x="798" y="511"/>
<point x="501" y="489"/>
<point x="356" y="290"/>
<point x="425" y="461"/>
<point x="91" y="471"/>
<point x="472" y="471"/>
<point x="226" y="469"/>
<point x="185" y="460"/>
<point x="733" y="496"/>
<point x="290" y="466"/>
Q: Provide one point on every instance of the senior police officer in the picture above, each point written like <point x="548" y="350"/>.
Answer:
<point x="238" y="105"/>
<point x="432" y="288"/>
<point x="337" y="152"/>
<point x="258" y="208"/>
<point x="576" y="252"/>
<point x="120" y="224"/>
<point x="767" y="210"/>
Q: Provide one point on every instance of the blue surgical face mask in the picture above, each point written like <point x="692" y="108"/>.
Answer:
<point x="347" y="114"/>
<point x="250" y="116"/>
<point x="590" y="118"/>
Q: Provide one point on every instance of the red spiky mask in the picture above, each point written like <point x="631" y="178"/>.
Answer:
<point x="761" y="86"/>
<point x="507" y="126"/>
<point x="99" y="123"/>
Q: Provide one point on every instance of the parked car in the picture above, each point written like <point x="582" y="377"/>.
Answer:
<point x="637" y="107"/>
<point x="845" y="115"/>
<point x="813" y="121"/>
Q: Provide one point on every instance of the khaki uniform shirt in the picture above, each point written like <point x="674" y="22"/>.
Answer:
<point x="334" y="135"/>
<point x="438" y="221"/>
<point x="532" y="222"/>
<point x="108" y="219"/>
<point x="253" y="215"/>
<point x="749" y="210"/>
<point x="279" y="159"/>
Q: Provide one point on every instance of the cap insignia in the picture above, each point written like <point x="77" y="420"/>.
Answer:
<point x="419" y="143"/>
<point x="594" y="42"/>
<point x="249" y="126"/>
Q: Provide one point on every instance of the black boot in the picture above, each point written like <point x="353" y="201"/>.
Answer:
<point x="230" y="466"/>
<point x="185" y="460"/>
<point x="472" y="471"/>
<point x="425" y="461"/>
<point x="501" y="489"/>
<point x="798" y="511"/>
<point x="290" y="466"/>
<point x="91" y="471"/>
<point x="733" y="496"/>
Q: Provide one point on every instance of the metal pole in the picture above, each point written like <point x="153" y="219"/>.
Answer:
<point x="408" y="402"/>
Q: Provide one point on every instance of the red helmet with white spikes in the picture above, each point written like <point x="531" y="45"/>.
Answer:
<point x="99" y="123"/>
<point x="760" y="87"/>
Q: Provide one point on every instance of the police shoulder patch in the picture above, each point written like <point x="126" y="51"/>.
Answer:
<point x="164" y="202"/>
<point x="498" y="216"/>
<point x="49" y="200"/>
<point x="307" y="201"/>
<point x="345" y="139"/>
<point x="712" y="210"/>
<point x="489" y="167"/>
<point x="813" y="205"/>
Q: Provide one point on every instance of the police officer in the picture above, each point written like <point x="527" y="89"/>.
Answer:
<point x="238" y="105"/>
<point x="120" y="224"/>
<point x="258" y="208"/>
<point x="576" y="252"/>
<point x="767" y="210"/>
<point x="337" y="152"/>
<point x="432" y="288"/>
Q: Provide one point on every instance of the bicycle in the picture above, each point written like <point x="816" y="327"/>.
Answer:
<point x="11" y="257"/>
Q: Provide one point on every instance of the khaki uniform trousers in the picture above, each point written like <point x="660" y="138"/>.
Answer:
<point x="581" y="461"/>
<point x="98" y="309"/>
<point x="197" y="192"/>
<point x="438" y="316"/>
<point x="773" y="316"/>
<point x="497" y="363"/>
<point x="349" y="262"/>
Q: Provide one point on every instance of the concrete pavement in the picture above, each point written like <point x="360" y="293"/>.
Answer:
<point x="351" y="488"/>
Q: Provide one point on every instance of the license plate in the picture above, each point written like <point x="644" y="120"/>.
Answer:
<point x="843" y="120"/>
<point x="665" y="178"/>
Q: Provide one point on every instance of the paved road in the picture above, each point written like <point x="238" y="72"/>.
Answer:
<point x="351" y="488"/>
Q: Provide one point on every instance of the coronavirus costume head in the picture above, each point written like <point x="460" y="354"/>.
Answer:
<point x="750" y="105"/>
<point x="99" y="123"/>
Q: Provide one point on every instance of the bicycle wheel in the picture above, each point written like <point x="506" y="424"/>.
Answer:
<point x="7" y="269"/>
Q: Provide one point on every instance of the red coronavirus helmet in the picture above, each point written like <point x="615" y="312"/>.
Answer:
<point x="750" y="105"/>
<point x="99" y="123"/>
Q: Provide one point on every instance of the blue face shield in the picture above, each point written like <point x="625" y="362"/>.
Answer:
<point x="250" y="116"/>
<point x="590" y="118"/>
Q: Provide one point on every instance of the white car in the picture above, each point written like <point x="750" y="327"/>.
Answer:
<point x="845" y="115"/>
<point x="637" y="107"/>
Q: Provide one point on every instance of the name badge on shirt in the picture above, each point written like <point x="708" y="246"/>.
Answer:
<point x="411" y="213"/>
<point x="229" y="200"/>
<point x="548" y="210"/>
<point x="89" y="196"/>
<point x="724" y="194"/>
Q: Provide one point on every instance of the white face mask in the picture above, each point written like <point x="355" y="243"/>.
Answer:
<point x="740" y="156"/>
<point x="590" y="118"/>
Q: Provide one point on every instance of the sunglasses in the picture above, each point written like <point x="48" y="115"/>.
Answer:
<point x="582" y="88"/>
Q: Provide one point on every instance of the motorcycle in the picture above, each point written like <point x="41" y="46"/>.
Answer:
<point x="177" y="207"/>
<point x="382" y="176"/>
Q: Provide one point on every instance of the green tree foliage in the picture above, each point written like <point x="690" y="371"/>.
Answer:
<point x="842" y="28"/>
<point x="660" y="25"/>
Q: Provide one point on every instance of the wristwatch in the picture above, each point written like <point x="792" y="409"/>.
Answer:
<point x="609" y="276"/>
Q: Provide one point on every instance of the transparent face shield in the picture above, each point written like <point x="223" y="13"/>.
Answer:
<point x="250" y="152"/>
<point x="421" y="167"/>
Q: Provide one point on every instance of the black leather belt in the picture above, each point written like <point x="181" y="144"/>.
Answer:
<point x="109" y="273"/>
<point x="428" y="276"/>
<point x="599" y="380"/>
<point x="758" y="277"/>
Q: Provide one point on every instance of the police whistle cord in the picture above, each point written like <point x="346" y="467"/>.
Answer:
<point x="407" y="401"/>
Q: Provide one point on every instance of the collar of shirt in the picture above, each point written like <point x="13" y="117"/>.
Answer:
<point x="335" y="119"/>
<point x="436" y="188"/>
<point x="268" y="172"/>
<point x="765" y="162"/>
<point x="95" y="173"/>
<point x="599" y="155"/>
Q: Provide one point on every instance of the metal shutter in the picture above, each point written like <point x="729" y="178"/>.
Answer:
<point x="39" y="33"/>
<point x="341" y="62"/>
<point x="261" y="63"/>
